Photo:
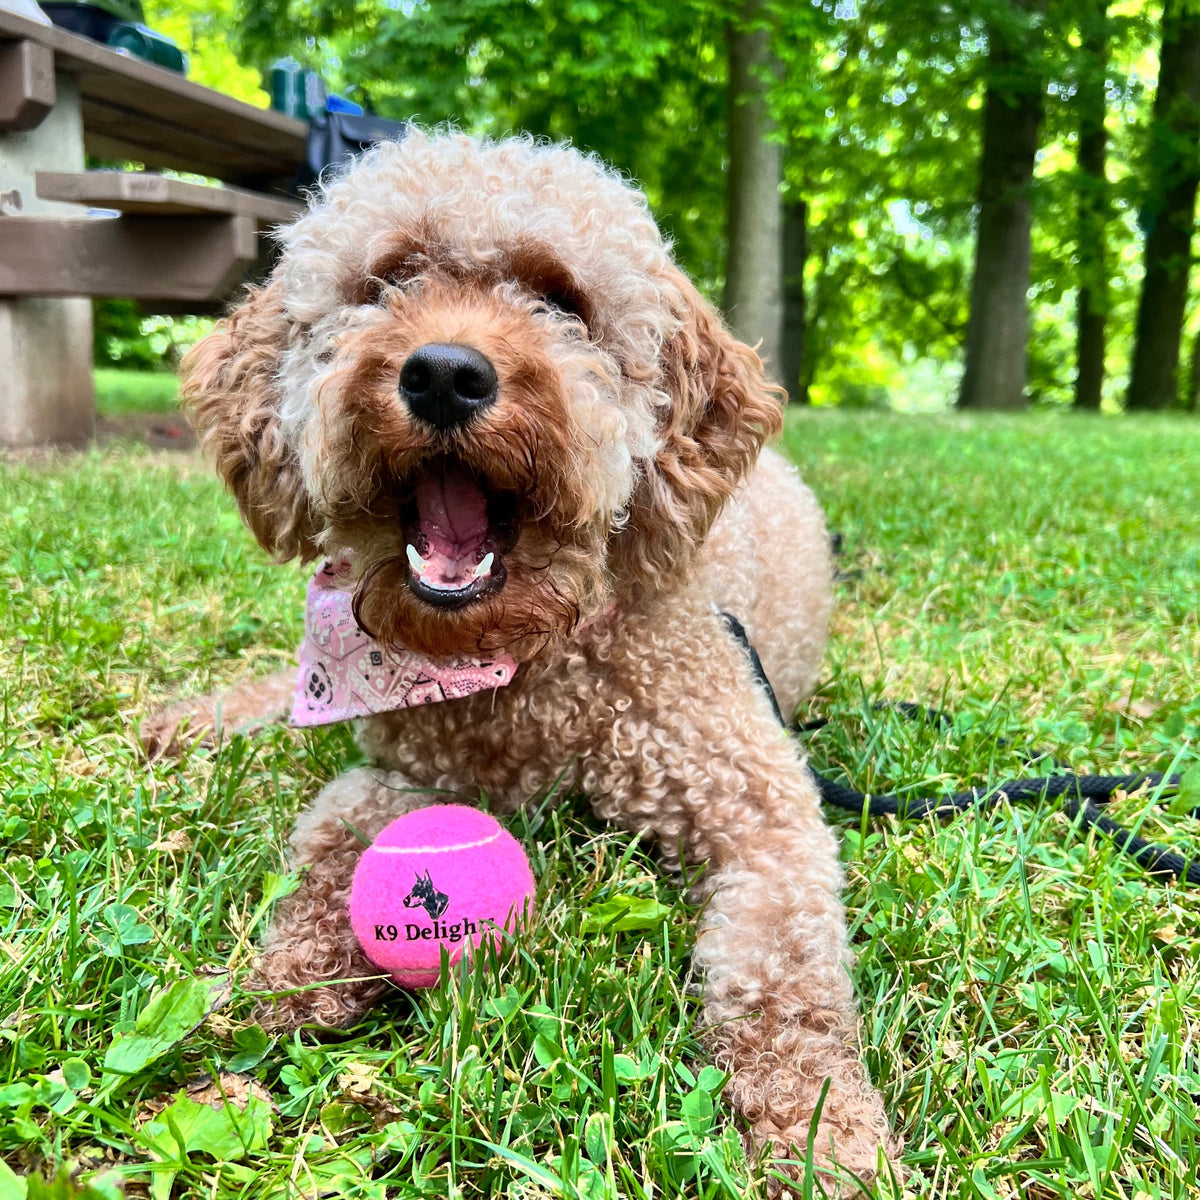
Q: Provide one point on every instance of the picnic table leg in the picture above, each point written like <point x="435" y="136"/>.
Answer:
<point x="46" y="392"/>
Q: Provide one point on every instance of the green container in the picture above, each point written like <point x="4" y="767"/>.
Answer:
<point x="294" y="91"/>
<point x="145" y="44"/>
<point x="287" y="88"/>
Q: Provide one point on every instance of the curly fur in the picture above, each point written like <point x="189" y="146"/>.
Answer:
<point x="631" y="425"/>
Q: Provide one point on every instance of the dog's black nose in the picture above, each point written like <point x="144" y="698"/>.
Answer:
<point x="446" y="385"/>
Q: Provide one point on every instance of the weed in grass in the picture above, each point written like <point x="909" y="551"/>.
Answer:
<point x="1029" y="996"/>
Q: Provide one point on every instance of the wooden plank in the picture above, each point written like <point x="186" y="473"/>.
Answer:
<point x="170" y="106"/>
<point x="158" y="140"/>
<point x="144" y="139"/>
<point x="190" y="106"/>
<point x="119" y="149"/>
<point x="27" y="90"/>
<point x="144" y="258"/>
<point x="147" y="193"/>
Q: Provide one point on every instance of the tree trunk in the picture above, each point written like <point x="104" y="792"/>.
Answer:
<point x="795" y="254"/>
<point x="998" y="333"/>
<point x="1193" y="396"/>
<point x="754" y="268"/>
<point x="1169" y="210"/>
<point x="1092" y="307"/>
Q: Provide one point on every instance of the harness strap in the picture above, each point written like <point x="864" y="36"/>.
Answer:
<point x="1080" y="794"/>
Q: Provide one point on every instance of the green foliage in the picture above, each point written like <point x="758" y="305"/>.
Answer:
<point x="641" y="85"/>
<point x="878" y="107"/>
<point x="123" y="336"/>
<point x="117" y="336"/>
<point x="201" y="29"/>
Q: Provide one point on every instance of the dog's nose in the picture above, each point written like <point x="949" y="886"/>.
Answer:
<point x="447" y="385"/>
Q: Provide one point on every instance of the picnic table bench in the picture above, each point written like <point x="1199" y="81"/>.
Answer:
<point x="68" y="234"/>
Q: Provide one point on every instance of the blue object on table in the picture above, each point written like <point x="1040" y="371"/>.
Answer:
<point x="340" y="104"/>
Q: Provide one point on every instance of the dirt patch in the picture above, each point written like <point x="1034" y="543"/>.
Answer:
<point x="160" y="431"/>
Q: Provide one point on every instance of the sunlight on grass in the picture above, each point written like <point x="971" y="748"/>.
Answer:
<point x="1029" y="997"/>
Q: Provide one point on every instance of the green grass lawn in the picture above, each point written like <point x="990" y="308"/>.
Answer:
<point x="1030" y="998"/>
<point x="124" y="393"/>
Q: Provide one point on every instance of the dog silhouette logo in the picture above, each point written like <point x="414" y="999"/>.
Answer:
<point x="427" y="896"/>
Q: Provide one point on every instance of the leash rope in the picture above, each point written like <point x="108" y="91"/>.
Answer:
<point x="1081" y="795"/>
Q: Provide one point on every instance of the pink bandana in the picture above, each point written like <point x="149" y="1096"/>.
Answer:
<point x="345" y="673"/>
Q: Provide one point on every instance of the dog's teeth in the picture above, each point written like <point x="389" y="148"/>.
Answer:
<point x="417" y="563"/>
<point x="485" y="565"/>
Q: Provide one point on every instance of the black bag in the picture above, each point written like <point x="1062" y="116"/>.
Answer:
<point x="336" y="137"/>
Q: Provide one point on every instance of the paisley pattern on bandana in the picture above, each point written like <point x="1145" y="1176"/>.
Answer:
<point x="345" y="673"/>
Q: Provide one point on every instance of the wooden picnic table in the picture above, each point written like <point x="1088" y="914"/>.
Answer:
<point x="167" y="242"/>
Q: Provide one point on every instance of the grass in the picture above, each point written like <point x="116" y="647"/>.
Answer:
<point x="124" y="393"/>
<point x="1030" y="998"/>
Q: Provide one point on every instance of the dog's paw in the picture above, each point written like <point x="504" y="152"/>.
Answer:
<point x="849" y="1143"/>
<point x="846" y="1163"/>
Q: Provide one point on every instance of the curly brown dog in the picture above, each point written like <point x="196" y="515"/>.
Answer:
<point x="478" y="380"/>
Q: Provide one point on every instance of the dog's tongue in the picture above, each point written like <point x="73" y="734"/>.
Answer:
<point x="454" y="520"/>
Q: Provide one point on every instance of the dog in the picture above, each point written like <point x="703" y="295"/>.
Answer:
<point x="478" y="387"/>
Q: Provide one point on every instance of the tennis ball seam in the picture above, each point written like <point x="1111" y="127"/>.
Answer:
<point x="435" y="849"/>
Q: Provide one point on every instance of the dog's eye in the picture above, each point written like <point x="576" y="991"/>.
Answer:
<point x="564" y="302"/>
<point x="370" y="290"/>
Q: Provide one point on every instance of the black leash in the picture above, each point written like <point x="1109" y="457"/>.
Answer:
<point x="1081" y="795"/>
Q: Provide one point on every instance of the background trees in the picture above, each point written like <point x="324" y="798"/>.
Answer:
<point x="1168" y="208"/>
<point x="906" y="203"/>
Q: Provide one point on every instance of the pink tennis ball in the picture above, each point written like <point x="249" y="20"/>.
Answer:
<point x="446" y="877"/>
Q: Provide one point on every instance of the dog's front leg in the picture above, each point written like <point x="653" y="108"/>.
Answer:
<point x="779" y="1009"/>
<point x="310" y="941"/>
<point x="696" y="757"/>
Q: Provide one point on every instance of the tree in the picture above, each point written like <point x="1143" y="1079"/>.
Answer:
<point x="995" y="372"/>
<point x="754" y="256"/>
<point x="795" y="302"/>
<point x="1168" y="211"/>
<point x="1092" y="303"/>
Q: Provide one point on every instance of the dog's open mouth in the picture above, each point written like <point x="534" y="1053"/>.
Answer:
<point x="456" y="530"/>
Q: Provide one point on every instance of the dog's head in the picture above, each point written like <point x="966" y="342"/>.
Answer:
<point x="477" y="372"/>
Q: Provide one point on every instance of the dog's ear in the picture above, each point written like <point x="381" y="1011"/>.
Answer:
<point x="231" y="396"/>
<point x="721" y="411"/>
